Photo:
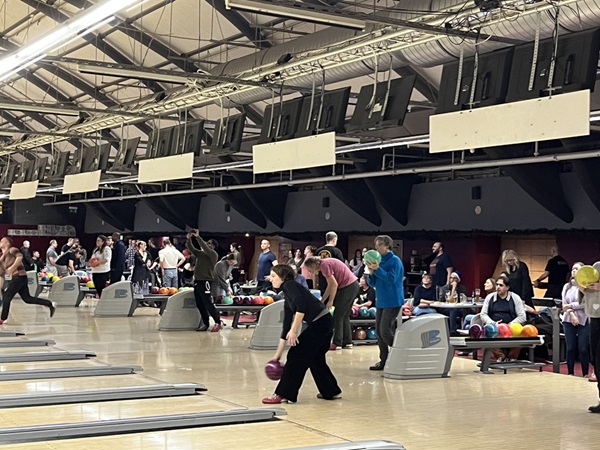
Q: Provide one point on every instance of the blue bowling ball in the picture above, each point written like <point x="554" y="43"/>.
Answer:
<point x="371" y="333"/>
<point x="372" y="312"/>
<point x="491" y="330"/>
<point x="363" y="312"/>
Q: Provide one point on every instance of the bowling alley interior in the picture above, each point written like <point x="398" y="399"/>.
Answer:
<point x="299" y="224"/>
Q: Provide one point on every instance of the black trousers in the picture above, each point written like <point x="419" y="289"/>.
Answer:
<point x="309" y="353"/>
<point x="100" y="280"/>
<point x="595" y="345"/>
<point x="204" y="302"/>
<point x="385" y="324"/>
<point x="115" y="275"/>
<point x="18" y="285"/>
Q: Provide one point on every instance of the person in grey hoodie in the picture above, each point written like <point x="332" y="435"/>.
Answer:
<point x="591" y="302"/>
<point x="220" y="284"/>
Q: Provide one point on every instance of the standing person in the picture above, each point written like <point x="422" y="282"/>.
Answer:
<point x="51" y="257"/>
<point x="204" y="273"/>
<point x="309" y="251"/>
<point x="440" y="265"/>
<point x="297" y="260"/>
<point x="100" y="263"/>
<point x="308" y="349"/>
<point x="11" y="266"/>
<point x="575" y="324"/>
<point x="266" y="260"/>
<point x="342" y="289"/>
<point x="117" y="260"/>
<point x="152" y="249"/>
<point x="68" y="260"/>
<point x="518" y="275"/>
<point x="387" y="277"/>
<point x="27" y="262"/>
<point x="591" y="302"/>
<point x="132" y="249"/>
<point x="356" y="264"/>
<point x="557" y="271"/>
<point x="170" y="260"/>
<point x="140" y="276"/>
<point x="65" y="248"/>
<point x="329" y="250"/>
<point x="236" y="249"/>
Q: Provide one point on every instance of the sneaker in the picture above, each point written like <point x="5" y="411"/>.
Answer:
<point x="594" y="409"/>
<point x="335" y="397"/>
<point x="216" y="328"/>
<point x="2" y="321"/>
<point x="378" y="366"/>
<point x="592" y="378"/>
<point x="334" y="347"/>
<point x="501" y="360"/>
<point x="52" y="309"/>
<point x="202" y="328"/>
<point x="275" y="400"/>
<point x="348" y="346"/>
<point x="464" y="353"/>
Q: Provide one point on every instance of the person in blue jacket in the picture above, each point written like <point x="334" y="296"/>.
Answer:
<point x="387" y="277"/>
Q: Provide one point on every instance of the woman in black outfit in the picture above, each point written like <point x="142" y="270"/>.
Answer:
<point x="308" y="350"/>
<point x="518" y="275"/>
<point x="140" y="278"/>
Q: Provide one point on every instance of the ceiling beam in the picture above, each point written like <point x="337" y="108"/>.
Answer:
<point x="237" y="20"/>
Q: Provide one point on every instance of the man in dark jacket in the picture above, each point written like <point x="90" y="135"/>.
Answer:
<point x="117" y="262"/>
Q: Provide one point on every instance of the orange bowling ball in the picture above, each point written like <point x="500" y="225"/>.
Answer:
<point x="268" y="300"/>
<point x="529" y="331"/>
<point x="163" y="291"/>
<point x="173" y="291"/>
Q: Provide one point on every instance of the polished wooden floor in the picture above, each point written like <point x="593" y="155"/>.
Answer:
<point x="521" y="409"/>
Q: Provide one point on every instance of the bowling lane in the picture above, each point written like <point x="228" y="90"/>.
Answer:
<point x="71" y="384"/>
<point x="122" y="409"/>
<point x="256" y="436"/>
<point x="7" y="367"/>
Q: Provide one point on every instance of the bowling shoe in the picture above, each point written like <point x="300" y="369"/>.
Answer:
<point x="335" y="397"/>
<point x="216" y="328"/>
<point x="592" y="378"/>
<point x="52" y="309"/>
<point x="2" y="321"/>
<point x="594" y="409"/>
<point x="202" y="328"/>
<point x="378" y="366"/>
<point x="275" y="400"/>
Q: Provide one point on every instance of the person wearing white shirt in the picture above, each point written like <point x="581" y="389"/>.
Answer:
<point x="170" y="259"/>
<point x="100" y="263"/>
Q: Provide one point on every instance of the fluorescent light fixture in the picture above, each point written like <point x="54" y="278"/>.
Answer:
<point x="55" y="39"/>
<point x="38" y="108"/>
<point x="296" y="12"/>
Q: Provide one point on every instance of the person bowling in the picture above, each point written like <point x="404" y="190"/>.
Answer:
<point x="307" y="350"/>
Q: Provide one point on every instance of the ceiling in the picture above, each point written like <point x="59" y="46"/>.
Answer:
<point x="200" y="41"/>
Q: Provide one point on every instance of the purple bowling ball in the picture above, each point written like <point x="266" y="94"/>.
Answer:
<point x="238" y="300"/>
<point x="476" y="331"/>
<point x="274" y="369"/>
<point x="247" y="300"/>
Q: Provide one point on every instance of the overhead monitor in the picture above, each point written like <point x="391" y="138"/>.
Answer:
<point x="323" y="113"/>
<point x="60" y="164"/>
<point x="101" y="154"/>
<point x="229" y="132"/>
<point x="280" y="121"/>
<point x="126" y="154"/>
<point x="382" y="106"/>
<point x="7" y="177"/>
<point x="25" y="171"/>
<point x="574" y="70"/>
<point x="187" y="138"/>
<point x="491" y="85"/>
<point x="159" y="144"/>
<point x="39" y="169"/>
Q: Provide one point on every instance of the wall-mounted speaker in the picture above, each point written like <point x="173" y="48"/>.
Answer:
<point x="325" y="202"/>
<point x="476" y="193"/>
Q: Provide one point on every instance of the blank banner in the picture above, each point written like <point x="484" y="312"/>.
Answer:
<point x="21" y="191"/>
<point x="541" y="119"/>
<point x="82" y="182"/>
<point x="167" y="168"/>
<point x="301" y="153"/>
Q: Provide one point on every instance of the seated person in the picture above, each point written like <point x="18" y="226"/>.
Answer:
<point x="424" y="296"/>
<point x="503" y="306"/>
<point x="366" y="294"/>
<point x="453" y="290"/>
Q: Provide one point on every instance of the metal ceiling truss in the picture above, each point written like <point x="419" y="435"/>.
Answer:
<point x="376" y="43"/>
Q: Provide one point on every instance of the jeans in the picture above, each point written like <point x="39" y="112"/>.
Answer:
<point x="170" y="278"/>
<point x="577" y="337"/>
<point x="385" y="323"/>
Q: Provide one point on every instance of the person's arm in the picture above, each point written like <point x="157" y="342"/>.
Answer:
<point x="484" y="310"/>
<point x="71" y="267"/>
<point x="449" y="270"/>
<point x="541" y="278"/>
<point x="292" y="335"/>
<point x="393" y="275"/>
<point x="191" y="247"/>
<point x="330" y="291"/>
<point x="51" y="260"/>
<point x="519" y="309"/>
<point x="527" y="285"/>
<point x="161" y="261"/>
<point x="221" y="276"/>
<point x="280" y="348"/>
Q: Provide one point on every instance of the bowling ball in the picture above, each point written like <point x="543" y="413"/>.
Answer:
<point x="586" y="275"/>
<point x="90" y="284"/>
<point x="274" y="370"/>
<point x="247" y="300"/>
<point x="93" y="261"/>
<point x="173" y="291"/>
<point x="529" y="331"/>
<point x="372" y="312"/>
<point x="163" y="291"/>
<point x="363" y="312"/>
<point x="354" y="312"/>
<point x="516" y="329"/>
<point x="154" y="290"/>
<point x="476" y="331"/>
<point x="372" y="256"/>
<point x="238" y="300"/>
<point x="504" y="330"/>
<point x="227" y="300"/>
<point x="219" y="299"/>
<point x="45" y="278"/>
<point x="259" y="300"/>
<point x="491" y="330"/>
<point x="360" y="334"/>
<point x="268" y="300"/>
<point x="371" y="333"/>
